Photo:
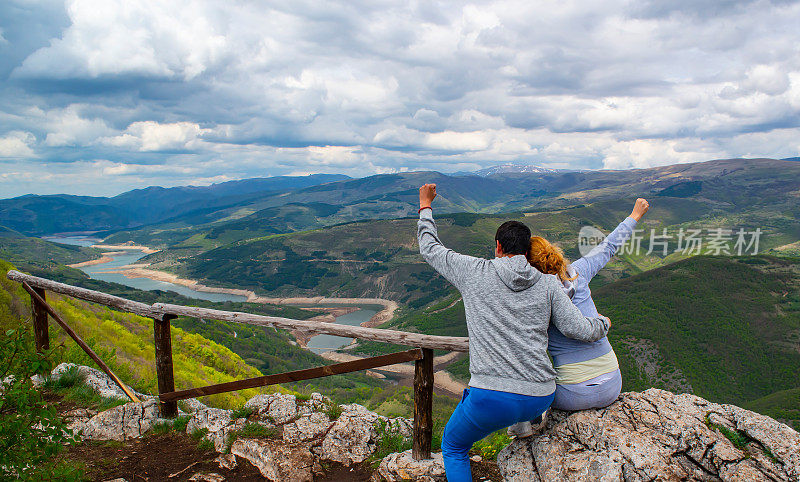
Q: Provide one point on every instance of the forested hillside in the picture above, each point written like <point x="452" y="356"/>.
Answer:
<point x="23" y="250"/>
<point x="125" y="342"/>
<point x="730" y="327"/>
<point x="724" y="328"/>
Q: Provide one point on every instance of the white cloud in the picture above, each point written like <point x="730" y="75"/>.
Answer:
<point x="66" y="127"/>
<point x="151" y="38"/>
<point x="17" y="145"/>
<point x="149" y="136"/>
<point x="245" y="89"/>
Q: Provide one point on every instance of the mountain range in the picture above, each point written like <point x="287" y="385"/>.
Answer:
<point x="725" y="327"/>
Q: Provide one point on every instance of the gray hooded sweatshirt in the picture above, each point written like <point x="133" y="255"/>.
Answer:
<point x="509" y="305"/>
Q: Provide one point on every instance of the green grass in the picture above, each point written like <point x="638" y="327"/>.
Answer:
<point x="333" y="410"/>
<point x="387" y="443"/>
<point x="166" y="426"/>
<point x="71" y="386"/>
<point x="492" y="444"/>
<point x="737" y="438"/>
<point x="256" y="430"/>
<point x="250" y="430"/>
<point x="241" y="412"/>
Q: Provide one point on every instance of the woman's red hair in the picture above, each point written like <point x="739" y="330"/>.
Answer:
<point x="548" y="259"/>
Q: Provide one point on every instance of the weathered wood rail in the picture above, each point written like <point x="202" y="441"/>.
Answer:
<point x="162" y="314"/>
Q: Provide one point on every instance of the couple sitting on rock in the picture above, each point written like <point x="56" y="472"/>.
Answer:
<point x="524" y="302"/>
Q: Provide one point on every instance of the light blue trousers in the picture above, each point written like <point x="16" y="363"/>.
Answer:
<point x="598" y="392"/>
<point x="480" y="413"/>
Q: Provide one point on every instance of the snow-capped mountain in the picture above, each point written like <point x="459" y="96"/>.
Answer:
<point x="515" y="168"/>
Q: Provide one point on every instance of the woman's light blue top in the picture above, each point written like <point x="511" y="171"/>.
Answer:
<point x="566" y="350"/>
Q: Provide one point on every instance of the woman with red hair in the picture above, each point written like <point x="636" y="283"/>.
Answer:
<point x="588" y="373"/>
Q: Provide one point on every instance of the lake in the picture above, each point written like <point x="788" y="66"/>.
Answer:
<point x="317" y="344"/>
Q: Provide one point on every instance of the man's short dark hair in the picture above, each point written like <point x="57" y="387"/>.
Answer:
<point x="514" y="237"/>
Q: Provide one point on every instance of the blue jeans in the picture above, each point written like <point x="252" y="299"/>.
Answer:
<point x="480" y="413"/>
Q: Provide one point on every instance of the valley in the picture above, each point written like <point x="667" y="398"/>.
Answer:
<point x="354" y="240"/>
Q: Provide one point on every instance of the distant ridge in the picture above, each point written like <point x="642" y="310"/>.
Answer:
<point x="513" y="168"/>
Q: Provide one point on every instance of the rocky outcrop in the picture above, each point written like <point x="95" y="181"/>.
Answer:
<point x="131" y="420"/>
<point x="99" y="381"/>
<point x="656" y="435"/>
<point x="217" y="422"/>
<point x="278" y="460"/>
<point x="653" y="435"/>
<point x="354" y="435"/>
<point x="304" y="436"/>
<point x="402" y="467"/>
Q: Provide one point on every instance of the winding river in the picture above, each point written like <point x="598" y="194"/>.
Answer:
<point x="317" y="344"/>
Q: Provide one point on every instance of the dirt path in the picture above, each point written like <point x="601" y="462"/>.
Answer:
<point x="448" y="306"/>
<point x="138" y="247"/>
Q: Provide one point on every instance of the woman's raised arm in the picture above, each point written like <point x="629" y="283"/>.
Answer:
<point x="589" y="265"/>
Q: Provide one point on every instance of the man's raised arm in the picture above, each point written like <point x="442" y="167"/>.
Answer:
<point x="453" y="266"/>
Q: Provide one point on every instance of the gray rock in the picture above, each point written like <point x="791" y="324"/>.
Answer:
<point x="76" y="419"/>
<point x="402" y="467"/>
<point x="275" y="408"/>
<point x="124" y="422"/>
<point x="353" y="436"/>
<point x="277" y="460"/>
<point x="206" y="477"/>
<point x="307" y="427"/>
<point x="655" y="435"/>
<point x="99" y="381"/>
<point x="217" y="422"/>
<point x="226" y="461"/>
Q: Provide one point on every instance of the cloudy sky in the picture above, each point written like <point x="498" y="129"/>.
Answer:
<point x="101" y="96"/>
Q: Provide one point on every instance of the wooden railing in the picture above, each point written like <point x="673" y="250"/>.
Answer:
<point x="162" y="313"/>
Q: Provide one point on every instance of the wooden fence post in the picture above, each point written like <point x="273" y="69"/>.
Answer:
<point x="423" y="405"/>
<point x="166" y="382"/>
<point x="39" y="315"/>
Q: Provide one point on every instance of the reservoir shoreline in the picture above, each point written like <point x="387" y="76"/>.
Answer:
<point x="386" y="313"/>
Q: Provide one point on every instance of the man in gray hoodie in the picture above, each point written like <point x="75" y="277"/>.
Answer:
<point x="509" y="306"/>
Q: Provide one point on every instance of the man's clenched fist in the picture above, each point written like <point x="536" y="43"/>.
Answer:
<point x="639" y="209"/>
<point x="426" y="195"/>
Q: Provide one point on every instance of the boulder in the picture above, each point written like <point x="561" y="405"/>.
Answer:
<point x="656" y="435"/>
<point x="277" y="460"/>
<point x="354" y="435"/>
<point x="402" y="467"/>
<point x="273" y="408"/>
<point x="307" y="427"/>
<point x="99" y="381"/>
<point x="76" y="419"/>
<point x="121" y="423"/>
<point x="226" y="461"/>
<point x="219" y="424"/>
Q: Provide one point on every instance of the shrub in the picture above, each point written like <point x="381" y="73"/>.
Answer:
<point x="387" y="443"/>
<point x="31" y="432"/>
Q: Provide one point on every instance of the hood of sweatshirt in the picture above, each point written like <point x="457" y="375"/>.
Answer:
<point x="516" y="272"/>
